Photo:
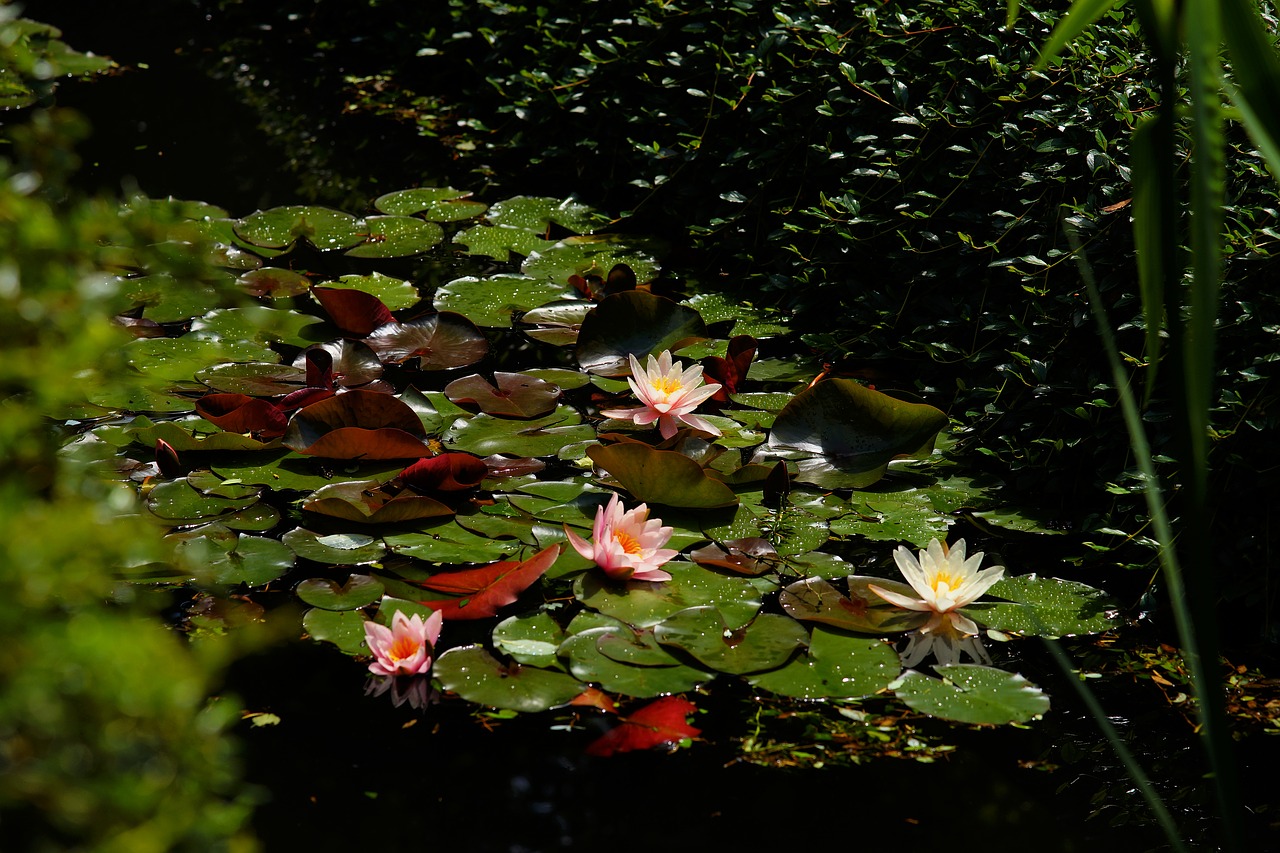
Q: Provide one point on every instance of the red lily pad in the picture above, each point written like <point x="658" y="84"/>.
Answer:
<point x="368" y="502"/>
<point x="515" y="394"/>
<point x="730" y="372"/>
<point x="242" y="414"/>
<point x="349" y="364"/>
<point x="658" y="724"/>
<point x="353" y="311"/>
<point x="358" y="425"/>
<point x="750" y="556"/>
<point x="634" y="322"/>
<point x="448" y="472"/>
<point x="441" y="341"/>
<point x="487" y="590"/>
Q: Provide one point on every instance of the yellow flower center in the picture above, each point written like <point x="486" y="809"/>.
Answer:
<point x="666" y="384"/>
<point x="403" y="649"/>
<point x="627" y="541"/>
<point x="941" y="578"/>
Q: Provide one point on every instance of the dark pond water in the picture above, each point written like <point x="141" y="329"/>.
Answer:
<point x="343" y="771"/>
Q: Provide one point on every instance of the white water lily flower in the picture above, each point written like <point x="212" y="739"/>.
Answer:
<point x="669" y="393"/>
<point x="945" y="581"/>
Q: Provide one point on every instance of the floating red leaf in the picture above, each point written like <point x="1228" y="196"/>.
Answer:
<point x="358" y="425"/>
<point x="488" y="589"/>
<point x="596" y="698"/>
<point x="243" y="414"/>
<point x="657" y="724"/>
<point x="439" y="341"/>
<point x="448" y="472"/>
<point x="730" y="371"/>
<point x="353" y="311"/>
<point x="515" y="394"/>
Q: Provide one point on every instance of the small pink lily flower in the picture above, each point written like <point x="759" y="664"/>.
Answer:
<point x="627" y="545"/>
<point x="406" y="647"/>
<point x="669" y="394"/>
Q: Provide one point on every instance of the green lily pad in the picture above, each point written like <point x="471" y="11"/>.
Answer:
<point x="478" y="677"/>
<point x="537" y="213"/>
<point x="450" y="543"/>
<point x="765" y="643"/>
<point x="176" y="501"/>
<point x="282" y="469"/>
<point x="256" y="323"/>
<point x="588" y="663"/>
<point x="530" y="639"/>
<point x="633" y="646"/>
<point x="343" y="628"/>
<point x="1046" y="607"/>
<point x="166" y="300"/>
<point x="748" y="320"/>
<point x="556" y="323"/>
<point x="816" y="600"/>
<point x="969" y="693"/>
<point x="491" y="301"/>
<point x="644" y="604"/>
<point x="364" y="502"/>
<point x="392" y="292"/>
<point x="499" y="241"/>
<point x="337" y="549"/>
<point x="439" y="204"/>
<point x="1022" y="520"/>
<point x="397" y="237"/>
<point x="835" y="666"/>
<point x="273" y="282"/>
<point x="281" y="227"/>
<point x="843" y="435"/>
<point x="589" y="255"/>
<point x="251" y="560"/>
<point x="484" y="435"/>
<point x="359" y="591"/>
<point x="179" y="359"/>
<point x="196" y="434"/>
<point x="254" y="379"/>
<point x="633" y="323"/>
<point x="662" y="476"/>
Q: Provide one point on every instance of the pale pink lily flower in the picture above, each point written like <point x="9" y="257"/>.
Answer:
<point x="944" y="581"/>
<point x="627" y="545"/>
<point x="669" y="393"/>
<point x="406" y="647"/>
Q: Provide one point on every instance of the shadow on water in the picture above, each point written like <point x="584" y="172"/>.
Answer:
<point x="341" y="769"/>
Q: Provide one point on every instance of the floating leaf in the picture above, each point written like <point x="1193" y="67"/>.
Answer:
<point x="251" y="560"/>
<point x="835" y="666"/>
<point x="969" y="693"/>
<point x="530" y="639"/>
<point x="537" y="213"/>
<point x="339" y="549"/>
<point x="243" y="414"/>
<point x="358" y="591"/>
<point x="767" y="642"/>
<point x="351" y="363"/>
<point x="749" y="556"/>
<point x="844" y="434"/>
<point x="273" y="282"/>
<point x="633" y="323"/>
<point x="493" y="300"/>
<point x="660" y="723"/>
<point x="366" y="502"/>
<point x="588" y="662"/>
<point x="441" y="204"/>
<point x="343" y="628"/>
<point x="477" y="676"/>
<point x="177" y="502"/>
<point x="816" y="600"/>
<point x="396" y="237"/>
<point x="358" y="425"/>
<point x="662" y="476"/>
<point x="499" y="241"/>
<point x="1046" y="607"/>
<point x="394" y="293"/>
<point x="179" y="359"/>
<point x="644" y="604"/>
<point x="440" y="341"/>
<point x="747" y="319"/>
<point x="254" y="379"/>
<point x="353" y="310"/>
<point x="487" y="590"/>
<point x="597" y="254"/>
<point x="545" y="436"/>
<point x="513" y="394"/>
<point x="280" y="227"/>
<point x="450" y="543"/>
<point x="287" y="470"/>
<point x="254" y="323"/>
<point x="448" y="472"/>
<point x="557" y="323"/>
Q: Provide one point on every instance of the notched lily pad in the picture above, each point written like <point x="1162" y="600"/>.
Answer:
<point x="397" y="237"/>
<point x="835" y="666"/>
<point x="281" y="227"/>
<point x="439" y="341"/>
<point x="512" y="394"/>
<point x="634" y="323"/>
<point x="662" y="476"/>
<point x="1046" y="607"/>
<point x="817" y="600"/>
<point x="368" y="502"/>
<point x="477" y="676"/>
<point x="765" y="643"/>
<point x="587" y="661"/>
<point x="492" y="301"/>
<point x="969" y="693"/>
<point x="357" y="592"/>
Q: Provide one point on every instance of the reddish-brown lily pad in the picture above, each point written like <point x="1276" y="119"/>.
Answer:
<point x="487" y="590"/>
<point x="368" y="502"/>
<point x="358" y="425"/>
<point x="441" y="341"/>
<point x="515" y="394"/>
<point x="243" y="414"/>
<point x="448" y="472"/>
<point x="353" y="311"/>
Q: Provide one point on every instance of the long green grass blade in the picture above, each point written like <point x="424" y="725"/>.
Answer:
<point x="1078" y="18"/>
<point x="1152" y="198"/>
<point x="1255" y="66"/>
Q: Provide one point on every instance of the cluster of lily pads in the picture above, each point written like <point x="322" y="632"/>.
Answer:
<point x="389" y="449"/>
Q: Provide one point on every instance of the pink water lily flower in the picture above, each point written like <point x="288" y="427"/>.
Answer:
<point x="406" y="647"/>
<point x="627" y="545"/>
<point x="944" y="581"/>
<point x="669" y="393"/>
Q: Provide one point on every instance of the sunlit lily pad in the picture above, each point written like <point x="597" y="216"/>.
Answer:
<point x="364" y="502"/>
<point x="537" y="213"/>
<point x="176" y="501"/>
<point x="255" y="323"/>
<point x="166" y="300"/>
<point x="358" y="425"/>
<point x="835" y="666"/>
<point x="450" y="543"/>
<point x="748" y="320"/>
<point x="588" y="663"/>
<point x="343" y="628"/>
<point x="1046" y="607"/>
<point x="273" y="282"/>
<point x="179" y="359"/>
<point x="440" y="341"/>
<point x="530" y="639"/>
<point x="397" y="237"/>
<point x="511" y="394"/>
<point x="395" y="293"/>
<point x="969" y="693"/>
<point x="255" y="379"/>
<point x="816" y="600"/>
<point x="589" y="255"/>
<point x="644" y="604"/>
<point x="439" y="204"/>
<point x="765" y="643"/>
<point x="843" y="435"/>
<point x="358" y="591"/>
<point x="633" y="323"/>
<point x="322" y="227"/>
<point x="478" y="677"/>
<point x="499" y="241"/>
<point x="485" y="434"/>
<point x="493" y="300"/>
<point x="337" y="549"/>
<point x="287" y="470"/>
<point x="556" y="323"/>
<point x="251" y="560"/>
<point x="662" y="476"/>
<point x="199" y="435"/>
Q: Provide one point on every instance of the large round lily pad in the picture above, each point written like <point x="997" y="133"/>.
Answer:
<point x="1046" y="607"/>
<point x="969" y="693"/>
<point x="322" y="227"/>
<point x="765" y="643"/>
<point x="397" y="237"/>
<point x="357" y="592"/>
<point x="644" y="603"/>
<point x="440" y="341"/>
<point x="662" y="476"/>
<point x="588" y="663"/>
<point x="835" y="666"/>
<point x="637" y="323"/>
<point x="479" y="677"/>
<point x="491" y="301"/>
